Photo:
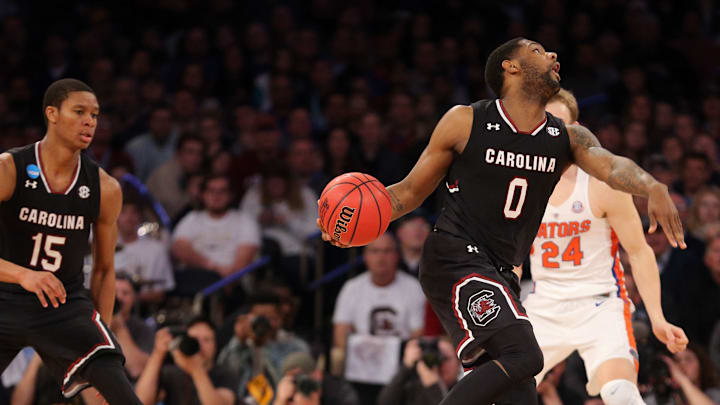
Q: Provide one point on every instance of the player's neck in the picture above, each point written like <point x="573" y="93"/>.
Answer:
<point x="524" y="112"/>
<point x="56" y="157"/>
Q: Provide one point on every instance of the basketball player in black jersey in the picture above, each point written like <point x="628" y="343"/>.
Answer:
<point x="500" y="160"/>
<point x="51" y="196"/>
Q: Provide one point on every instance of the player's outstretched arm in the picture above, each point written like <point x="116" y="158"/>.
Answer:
<point x="102" y="279"/>
<point x="623" y="174"/>
<point x="449" y="137"/>
<point x="625" y="221"/>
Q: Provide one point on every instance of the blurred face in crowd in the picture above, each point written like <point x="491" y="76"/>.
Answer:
<point x="299" y="123"/>
<point x="695" y="174"/>
<point x="190" y="156"/>
<point x="450" y="365"/>
<point x="413" y="232"/>
<point x="635" y="137"/>
<point x="269" y="311"/>
<point x="125" y="294"/>
<point x="681" y="205"/>
<point x="401" y="110"/>
<point x="370" y="130"/>
<point x="673" y="150"/>
<point x="685" y="127"/>
<point x="690" y="365"/>
<point x="338" y="144"/>
<point x="75" y="121"/>
<point x="657" y="241"/>
<point x="706" y="145"/>
<point x="301" y="157"/>
<point x="664" y="116"/>
<point x="336" y="110"/>
<point x="559" y="110"/>
<point x="210" y="130"/>
<point x="381" y="259"/>
<point x="640" y="109"/>
<point x="206" y="338"/>
<point x="161" y="123"/>
<point x="129" y="221"/>
<point x="708" y="207"/>
<point x="276" y="186"/>
<point x="712" y="259"/>
<point x="610" y="137"/>
<point x="185" y="105"/>
<point x="216" y="196"/>
<point x="281" y="91"/>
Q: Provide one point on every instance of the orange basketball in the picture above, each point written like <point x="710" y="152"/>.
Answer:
<point x="354" y="209"/>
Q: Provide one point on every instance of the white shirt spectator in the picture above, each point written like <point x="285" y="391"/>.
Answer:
<point x="299" y="224"/>
<point x="397" y="309"/>
<point x="146" y="259"/>
<point x="218" y="238"/>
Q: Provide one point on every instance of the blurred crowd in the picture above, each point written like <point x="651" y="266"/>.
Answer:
<point x="224" y="120"/>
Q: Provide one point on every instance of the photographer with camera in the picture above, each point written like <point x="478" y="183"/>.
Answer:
<point x="193" y="379"/>
<point x="134" y="335"/>
<point x="305" y="383"/>
<point x="430" y="368"/>
<point x="258" y="348"/>
<point x="691" y="379"/>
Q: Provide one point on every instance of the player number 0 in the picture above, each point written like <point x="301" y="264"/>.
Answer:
<point x="516" y="183"/>
<point x="55" y="255"/>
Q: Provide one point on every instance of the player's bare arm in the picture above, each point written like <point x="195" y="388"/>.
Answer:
<point x="623" y="174"/>
<point x="625" y="221"/>
<point x="102" y="279"/>
<point x="448" y="138"/>
<point x="44" y="284"/>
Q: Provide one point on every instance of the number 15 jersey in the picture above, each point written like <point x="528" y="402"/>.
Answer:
<point x="497" y="189"/>
<point x="575" y="253"/>
<point x="44" y="229"/>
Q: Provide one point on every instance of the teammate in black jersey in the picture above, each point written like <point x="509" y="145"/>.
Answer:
<point x="52" y="196"/>
<point x="500" y="160"/>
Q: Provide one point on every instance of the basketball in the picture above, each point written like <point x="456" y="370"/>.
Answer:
<point x="354" y="209"/>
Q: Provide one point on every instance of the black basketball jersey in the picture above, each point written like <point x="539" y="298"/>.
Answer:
<point x="44" y="229"/>
<point x="498" y="188"/>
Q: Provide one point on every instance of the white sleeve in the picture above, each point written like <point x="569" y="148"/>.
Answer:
<point x="416" y="298"/>
<point x="162" y="270"/>
<point x="250" y="203"/>
<point x="184" y="229"/>
<point x="344" y="305"/>
<point x="247" y="230"/>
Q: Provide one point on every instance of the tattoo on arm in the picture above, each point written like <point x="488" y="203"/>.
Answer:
<point x="618" y="172"/>
<point x="397" y="206"/>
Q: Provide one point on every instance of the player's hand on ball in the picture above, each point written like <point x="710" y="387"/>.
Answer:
<point x="661" y="209"/>
<point x="672" y="336"/>
<point x="44" y="284"/>
<point x="326" y="237"/>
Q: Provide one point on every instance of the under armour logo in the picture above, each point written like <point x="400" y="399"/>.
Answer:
<point x="84" y="192"/>
<point x="30" y="184"/>
<point x="553" y="131"/>
<point x="493" y="126"/>
<point x="472" y="249"/>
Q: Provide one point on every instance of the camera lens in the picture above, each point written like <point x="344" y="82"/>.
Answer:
<point x="306" y="384"/>
<point x="261" y="326"/>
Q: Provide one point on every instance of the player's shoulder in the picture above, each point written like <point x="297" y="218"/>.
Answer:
<point x="109" y="186"/>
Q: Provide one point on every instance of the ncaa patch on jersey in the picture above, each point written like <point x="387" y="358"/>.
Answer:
<point x="33" y="171"/>
<point x="577" y="207"/>
<point x="553" y="131"/>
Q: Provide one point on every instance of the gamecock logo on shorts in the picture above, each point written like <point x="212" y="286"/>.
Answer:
<point x="482" y="307"/>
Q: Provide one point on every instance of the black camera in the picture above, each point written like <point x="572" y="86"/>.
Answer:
<point x="187" y="345"/>
<point x="431" y="355"/>
<point x="305" y="384"/>
<point x="261" y="327"/>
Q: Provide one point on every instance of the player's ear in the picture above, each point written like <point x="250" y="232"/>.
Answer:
<point x="51" y="112"/>
<point x="510" y="66"/>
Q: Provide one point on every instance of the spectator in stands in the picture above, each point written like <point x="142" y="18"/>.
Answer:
<point x="216" y="239"/>
<point x="135" y="337"/>
<point x="383" y="301"/>
<point x="372" y="156"/>
<point x="259" y="346"/>
<point x="211" y="132"/>
<point x="338" y="159"/>
<point x="168" y="184"/>
<point x="412" y="229"/>
<point x="704" y="219"/>
<point x="305" y="163"/>
<point x="285" y="209"/>
<point x="194" y="379"/>
<point x="299" y="125"/>
<point x="696" y="173"/>
<point x="145" y="259"/>
<point x="152" y="149"/>
<point x="40" y="386"/>
<point x="694" y="381"/>
<point x="298" y="368"/>
<point x="709" y="307"/>
<point x="417" y="383"/>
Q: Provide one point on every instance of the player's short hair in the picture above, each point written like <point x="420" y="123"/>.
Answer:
<point x="59" y="91"/>
<point x="494" y="72"/>
<point x="567" y="98"/>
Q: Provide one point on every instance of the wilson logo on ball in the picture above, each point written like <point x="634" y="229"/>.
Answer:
<point x="342" y="222"/>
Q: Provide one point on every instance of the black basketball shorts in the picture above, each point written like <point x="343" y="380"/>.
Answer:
<point x="469" y="295"/>
<point x="66" y="338"/>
